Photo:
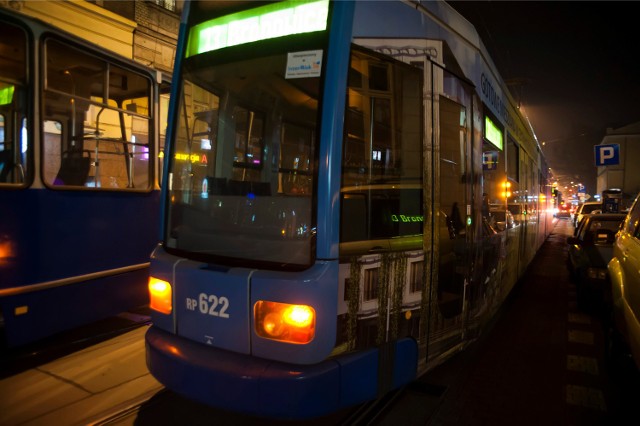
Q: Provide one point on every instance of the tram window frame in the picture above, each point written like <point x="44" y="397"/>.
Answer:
<point x="493" y="177"/>
<point x="375" y="168"/>
<point x="416" y="275"/>
<point x="513" y="160"/>
<point x="16" y="160"/>
<point x="371" y="278"/>
<point x="106" y="115"/>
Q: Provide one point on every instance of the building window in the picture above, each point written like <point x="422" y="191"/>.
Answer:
<point x="371" y="283"/>
<point x="167" y="4"/>
<point x="415" y="285"/>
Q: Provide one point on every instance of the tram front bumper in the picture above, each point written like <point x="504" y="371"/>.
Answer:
<point x="257" y="386"/>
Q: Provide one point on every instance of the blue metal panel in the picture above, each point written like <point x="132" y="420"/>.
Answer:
<point x="172" y="116"/>
<point x="359" y="376"/>
<point x="310" y="391"/>
<point x="330" y="150"/>
<point x="260" y="387"/>
<point x="406" y="362"/>
<point x="62" y="308"/>
<point x="59" y="236"/>
<point x="212" y="306"/>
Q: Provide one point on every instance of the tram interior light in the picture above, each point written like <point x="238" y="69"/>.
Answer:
<point x="160" y="295"/>
<point x="284" y="322"/>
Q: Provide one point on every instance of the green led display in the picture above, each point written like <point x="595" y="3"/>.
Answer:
<point x="262" y="23"/>
<point x="492" y="133"/>
<point x="6" y="95"/>
<point x="406" y="218"/>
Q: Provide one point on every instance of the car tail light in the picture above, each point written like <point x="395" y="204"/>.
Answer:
<point x="284" y="322"/>
<point x="597" y="273"/>
<point x="160" y="295"/>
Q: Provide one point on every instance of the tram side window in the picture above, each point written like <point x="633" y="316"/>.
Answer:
<point x="15" y="144"/>
<point x="382" y="153"/>
<point x="163" y="111"/>
<point x="495" y="184"/>
<point x="97" y="124"/>
<point x="513" y="160"/>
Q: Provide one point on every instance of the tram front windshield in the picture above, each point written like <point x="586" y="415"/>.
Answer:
<point x="241" y="173"/>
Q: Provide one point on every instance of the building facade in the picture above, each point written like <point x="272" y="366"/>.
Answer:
<point x="625" y="175"/>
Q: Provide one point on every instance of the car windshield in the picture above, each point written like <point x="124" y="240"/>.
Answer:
<point x="589" y="208"/>
<point x="611" y="225"/>
<point x="498" y="215"/>
<point x="602" y="231"/>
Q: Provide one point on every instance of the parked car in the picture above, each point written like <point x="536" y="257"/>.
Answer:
<point x="590" y="250"/>
<point x="519" y="212"/>
<point x="624" y="269"/>
<point x="501" y="219"/>
<point x="564" y="211"/>
<point x="588" y="207"/>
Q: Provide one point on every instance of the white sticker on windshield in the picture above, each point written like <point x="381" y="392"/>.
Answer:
<point x="304" y="64"/>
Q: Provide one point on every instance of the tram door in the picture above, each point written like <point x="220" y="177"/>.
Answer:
<point x="453" y="210"/>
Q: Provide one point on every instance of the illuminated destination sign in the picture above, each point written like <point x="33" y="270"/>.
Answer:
<point x="406" y="218"/>
<point x="492" y="133"/>
<point x="262" y="23"/>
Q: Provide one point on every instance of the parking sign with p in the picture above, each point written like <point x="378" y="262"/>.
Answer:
<point x="607" y="155"/>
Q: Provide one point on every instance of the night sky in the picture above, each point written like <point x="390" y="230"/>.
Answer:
<point x="576" y="65"/>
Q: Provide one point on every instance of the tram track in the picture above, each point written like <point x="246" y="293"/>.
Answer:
<point x="369" y="412"/>
<point x="410" y="405"/>
<point x="126" y="414"/>
<point x="16" y="360"/>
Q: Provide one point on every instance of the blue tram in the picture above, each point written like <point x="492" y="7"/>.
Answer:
<point x="79" y="193"/>
<point x="335" y="178"/>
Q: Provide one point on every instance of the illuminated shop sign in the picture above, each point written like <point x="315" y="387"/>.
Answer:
<point x="492" y="133"/>
<point x="194" y="158"/>
<point x="6" y="95"/>
<point x="262" y="23"/>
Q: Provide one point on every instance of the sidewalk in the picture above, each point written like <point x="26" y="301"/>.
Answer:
<point x="80" y="388"/>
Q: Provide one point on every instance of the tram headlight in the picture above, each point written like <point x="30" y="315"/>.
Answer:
<point x="160" y="295"/>
<point x="284" y="322"/>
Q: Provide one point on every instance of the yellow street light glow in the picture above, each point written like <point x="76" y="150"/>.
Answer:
<point x="506" y="186"/>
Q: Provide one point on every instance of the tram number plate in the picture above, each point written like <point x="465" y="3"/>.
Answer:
<point x="209" y="304"/>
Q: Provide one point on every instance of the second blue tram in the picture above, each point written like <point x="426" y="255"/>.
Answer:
<point x="335" y="176"/>
<point x="79" y="193"/>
